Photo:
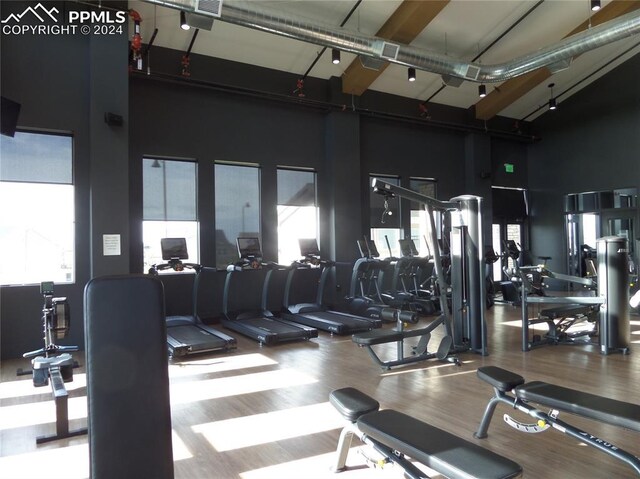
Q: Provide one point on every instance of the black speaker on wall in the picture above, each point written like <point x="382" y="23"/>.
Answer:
<point x="112" y="119"/>
<point x="9" y="116"/>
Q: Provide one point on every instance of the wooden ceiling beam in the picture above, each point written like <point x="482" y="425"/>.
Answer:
<point x="511" y="90"/>
<point x="403" y="26"/>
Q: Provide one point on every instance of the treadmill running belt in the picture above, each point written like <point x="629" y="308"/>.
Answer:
<point x="198" y="339"/>
<point x="344" y="322"/>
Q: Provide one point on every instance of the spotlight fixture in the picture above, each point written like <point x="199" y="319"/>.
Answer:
<point x="411" y="74"/>
<point x="552" y="101"/>
<point x="482" y="90"/>
<point x="335" y="56"/>
<point x="595" y="5"/>
<point x="183" y="21"/>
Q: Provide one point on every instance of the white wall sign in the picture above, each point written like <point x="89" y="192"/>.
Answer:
<point x="111" y="245"/>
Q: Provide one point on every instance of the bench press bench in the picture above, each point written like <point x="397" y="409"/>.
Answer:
<point x="560" y="319"/>
<point x="397" y="436"/>
<point x="558" y="398"/>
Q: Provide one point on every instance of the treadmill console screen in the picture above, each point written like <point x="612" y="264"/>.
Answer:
<point x="174" y="248"/>
<point x="308" y="247"/>
<point x="249" y="247"/>
<point x="408" y="247"/>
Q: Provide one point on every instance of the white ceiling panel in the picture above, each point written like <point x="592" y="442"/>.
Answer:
<point x="462" y="30"/>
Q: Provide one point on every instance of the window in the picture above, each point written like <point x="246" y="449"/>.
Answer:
<point x="385" y="221"/>
<point x="427" y="187"/>
<point x="297" y="212"/>
<point x="37" y="216"/>
<point x="169" y="206"/>
<point x="237" y="208"/>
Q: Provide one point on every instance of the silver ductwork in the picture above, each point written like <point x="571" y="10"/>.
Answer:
<point x="253" y="14"/>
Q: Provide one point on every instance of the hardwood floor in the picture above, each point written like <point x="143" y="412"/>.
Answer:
<point x="264" y="412"/>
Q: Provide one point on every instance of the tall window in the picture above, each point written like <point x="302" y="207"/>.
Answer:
<point x="427" y="187"/>
<point x="297" y="212"/>
<point x="237" y="206"/>
<point x="37" y="212"/>
<point x="169" y="206"/>
<point x="385" y="220"/>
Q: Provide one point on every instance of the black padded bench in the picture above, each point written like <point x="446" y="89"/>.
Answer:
<point x="129" y="413"/>
<point x="378" y="336"/>
<point x="397" y="335"/>
<point x="568" y="310"/>
<point x="591" y="406"/>
<point x="395" y="435"/>
<point x="559" y="319"/>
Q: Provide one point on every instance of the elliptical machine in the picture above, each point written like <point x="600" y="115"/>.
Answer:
<point x="53" y="362"/>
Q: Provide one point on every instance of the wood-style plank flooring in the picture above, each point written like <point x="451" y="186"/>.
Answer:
<point x="264" y="412"/>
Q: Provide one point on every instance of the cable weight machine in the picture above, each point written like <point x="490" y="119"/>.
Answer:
<point x="464" y="318"/>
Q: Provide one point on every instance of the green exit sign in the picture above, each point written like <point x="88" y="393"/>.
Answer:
<point x="508" y="167"/>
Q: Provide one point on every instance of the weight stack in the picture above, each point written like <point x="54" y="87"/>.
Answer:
<point x="613" y="285"/>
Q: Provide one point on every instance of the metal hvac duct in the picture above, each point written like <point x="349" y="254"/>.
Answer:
<point x="252" y="14"/>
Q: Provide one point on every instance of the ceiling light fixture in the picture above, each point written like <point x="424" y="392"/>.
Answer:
<point x="183" y="21"/>
<point x="595" y="5"/>
<point x="552" y="101"/>
<point x="411" y="74"/>
<point x="335" y="56"/>
<point x="482" y="91"/>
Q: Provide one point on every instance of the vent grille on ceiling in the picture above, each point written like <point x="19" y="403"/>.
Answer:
<point x="371" y="63"/>
<point x="212" y="7"/>
<point x="390" y="51"/>
<point x="472" y="72"/>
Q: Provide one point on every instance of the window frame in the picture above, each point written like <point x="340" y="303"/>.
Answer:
<point x="236" y="164"/>
<point x="194" y="257"/>
<point x="315" y="202"/>
<point x="74" y="191"/>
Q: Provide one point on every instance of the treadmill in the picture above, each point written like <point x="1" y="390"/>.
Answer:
<point x="187" y="335"/>
<point x="259" y="324"/>
<point x="315" y="314"/>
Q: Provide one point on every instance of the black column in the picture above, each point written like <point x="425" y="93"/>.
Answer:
<point x="109" y="153"/>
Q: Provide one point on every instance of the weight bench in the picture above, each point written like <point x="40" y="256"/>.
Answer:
<point x="559" y="319"/>
<point x="558" y="398"/>
<point x="129" y="413"/>
<point x="399" y="334"/>
<point x="397" y="436"/>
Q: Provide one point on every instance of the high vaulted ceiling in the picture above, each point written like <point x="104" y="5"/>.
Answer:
<point x="485" y="31"/>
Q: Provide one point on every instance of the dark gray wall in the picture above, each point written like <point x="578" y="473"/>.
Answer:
<point x="590" y="143"/>
<point x="229" y="112"/>
<point x="66" y="83"/>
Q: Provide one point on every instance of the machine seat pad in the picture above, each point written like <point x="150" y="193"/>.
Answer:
<point x="611" y="411"/>
<point x="500" y="378"/>
<point x="352" y="403"/>
<point x="445" y="453"/>
<point x="377" y="336"/>
<point x="569" y="310"/>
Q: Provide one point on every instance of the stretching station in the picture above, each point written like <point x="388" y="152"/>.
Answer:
<point x="397" y="437"/>
<point x="558" y="398"/>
